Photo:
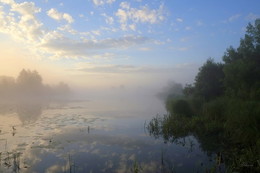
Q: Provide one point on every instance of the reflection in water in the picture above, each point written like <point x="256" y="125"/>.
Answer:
<point x="70" y="139"/>
<point x="176" y="129"/>
<point x="29" y="113"/>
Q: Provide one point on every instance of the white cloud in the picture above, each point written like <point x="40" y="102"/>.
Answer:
<point x="185" y="39"/>
<point x="252" y="16"/>
<point x="102" y="2"/>
<point x="9" y="2"/>
<point x="20" y="22"/>
<point x="145" y="49"/>
<point x="132" y="27"/>
<point x="68" y="18"/>
<point x="122" y="15"/>
<point x="53" y="13"/>
<point x="125" y="5"/>
<point x="110" y="1"/>
<point x="25" y="27"/>
<point x="27" y="9"/>
<point x="96" y="32"/>
<point x="69" y="29"/>
<point x="62" y="46"/>
<point x="234" y="17"/>
<point x="180" y="48"/>
<point x="143" y="14"/>
<point x="179" y="20"/>
<point x="199" y="23"/>
<point x="109" y="20"/>
<point x="187" y="28"/>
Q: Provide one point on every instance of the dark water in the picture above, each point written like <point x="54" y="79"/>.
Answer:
<point x="80" y="137"/>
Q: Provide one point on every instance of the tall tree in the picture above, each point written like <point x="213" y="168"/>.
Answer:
<point x="209" y="80"/>
<point x="29" y="83"/>
<point x="242" y="65"/>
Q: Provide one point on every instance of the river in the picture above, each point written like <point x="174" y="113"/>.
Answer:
<point x="91" y="136"/>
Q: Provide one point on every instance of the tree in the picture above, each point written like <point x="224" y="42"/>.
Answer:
<point x="209" y="80"/>
<point x="171" y="91"/>
<point x="29" y="83"/>
<point x="7" y="87"/>
<point x="242" y="65"/>
<point x="188" y="90"/>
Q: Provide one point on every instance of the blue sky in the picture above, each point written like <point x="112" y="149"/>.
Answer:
<point x="118" y="41"/>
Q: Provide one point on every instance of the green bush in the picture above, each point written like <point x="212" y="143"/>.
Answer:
<point x="243" y="121"/>
<point x="181" y="108"/>
<point x="215" y="110"/>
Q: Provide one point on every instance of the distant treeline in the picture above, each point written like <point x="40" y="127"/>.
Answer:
<point x="222" y="107"/>
<point x="28" y="86"/>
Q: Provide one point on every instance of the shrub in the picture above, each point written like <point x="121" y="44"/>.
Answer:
<point x="182" y="108"/>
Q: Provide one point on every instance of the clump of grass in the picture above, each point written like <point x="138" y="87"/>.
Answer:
<point x="136" y="167"/>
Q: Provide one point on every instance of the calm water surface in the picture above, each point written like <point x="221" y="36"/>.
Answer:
<point x="83" y="137"/>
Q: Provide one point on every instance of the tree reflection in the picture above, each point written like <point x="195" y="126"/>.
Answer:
<point x="29" y="113"/>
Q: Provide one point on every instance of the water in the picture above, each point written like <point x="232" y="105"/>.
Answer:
<point x="90" y="137"/>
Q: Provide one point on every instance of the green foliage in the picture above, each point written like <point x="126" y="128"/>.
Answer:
<point x="241" y="66"/>
<point x="136" y="168"/>
<point x="188" y="90"/>
<point x="215" y="109"/>
<point x="221" y="109"/>
<point x="182" y="108"/>
<point x="243" y="121"/>
<point x="169" y="127"/>
<point x="209" y="80"/>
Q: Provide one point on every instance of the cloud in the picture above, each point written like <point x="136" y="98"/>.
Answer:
<point x="25" y="27"/>
<point x="180" y="48"/>
<point x="145" y="49"/>
<point x="182" y="73"/>
<point x="113" y="68"/>
<point x="108" y="68"/>
<point x="9" y="2"/>
<point x="102" y="2"/>
<point x="125" y="5"/>
<point x="143" y="14"/>
<point x="26" y="9"/>
<point x="252" y="16"/>
<point x="234" y="17"/>
<point x="199" y="23"/>
<point x="132" y="27"/>
<point x="109" y="20"/>
<point x="179" y="20"/>
<point x="62" y="46"/>
<point x="19" y="21"/>
<point x="53" y="13"/>
<point x="185" y="39"/>
<point x="187" y="28"/>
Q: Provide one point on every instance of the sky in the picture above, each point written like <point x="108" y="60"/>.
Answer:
<point x="119" y="43"/>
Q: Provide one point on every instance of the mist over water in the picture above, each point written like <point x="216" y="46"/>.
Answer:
<point x="79" y="130"/>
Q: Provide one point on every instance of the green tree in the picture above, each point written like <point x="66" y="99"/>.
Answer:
<point x="209" y="80"/>
<point x="242" y="66"/>
<point x="188" y="90"/>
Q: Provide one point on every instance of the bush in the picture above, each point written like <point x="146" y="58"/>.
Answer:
<point x="215" y="110"/>
<point x="182" y="108"/>
<point x="243" y="121"/>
